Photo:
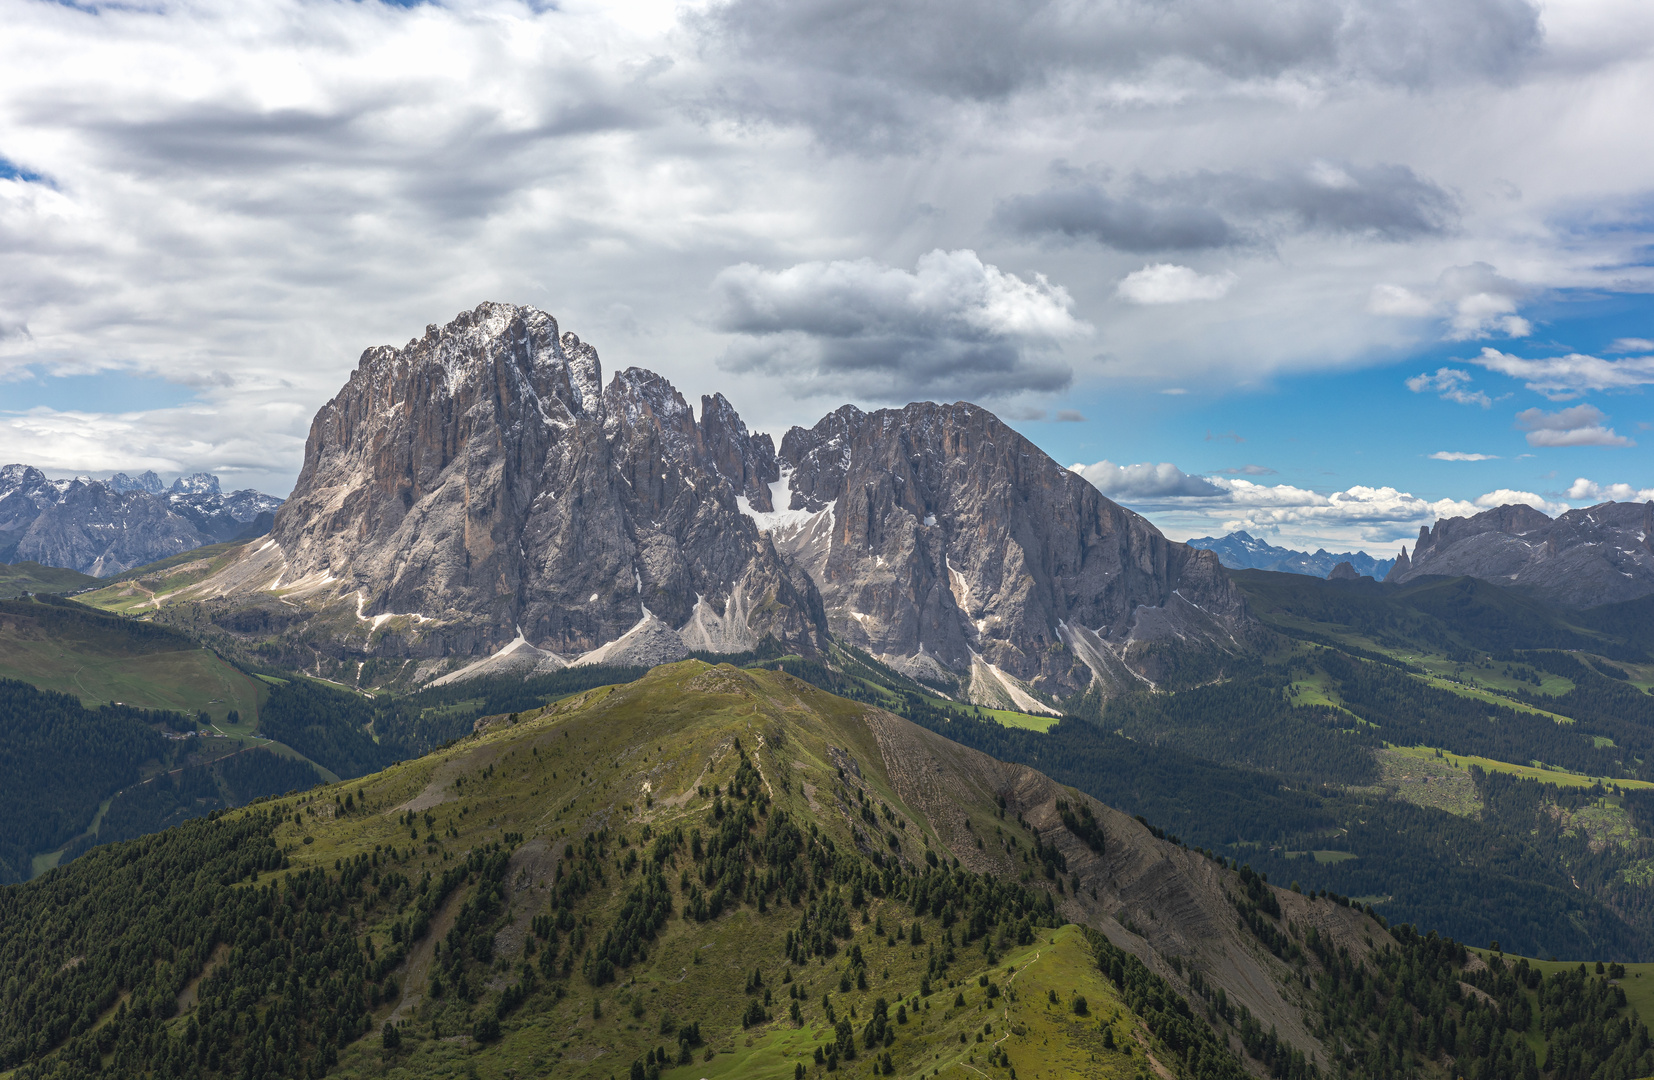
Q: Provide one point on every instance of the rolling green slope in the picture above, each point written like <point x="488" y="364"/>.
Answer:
<point x="712" y="872"/>
<point x="64" y="646"/>
<point x="707" y="872"/>
<point x="31" y="577"/>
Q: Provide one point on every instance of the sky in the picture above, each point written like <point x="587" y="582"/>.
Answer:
<point x="1323" y="270"/>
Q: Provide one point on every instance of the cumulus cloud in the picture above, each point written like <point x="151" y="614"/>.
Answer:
<point x="1630" y="345"/>
<point x="1358" y="514"/>
<point x="1459" y="455"/>
<point x="1237" y="504"/>
<point x="1563" y="377"/>
<point x="1144" y="481"/>
<point x="1483" y="303"/>
<point x="953" y="325"/>
<point x="1450" y="384"/>
<point x="1579" y="426"/>
<point x="1593" y="492"/>
<point x="1168" y="283"/>
<point x="1509" y="497"/>
<point x="1474" y="300"/>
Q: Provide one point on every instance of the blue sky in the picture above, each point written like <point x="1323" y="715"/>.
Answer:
<point x="1285" y="209"/>
<point x="1329" y="431"/>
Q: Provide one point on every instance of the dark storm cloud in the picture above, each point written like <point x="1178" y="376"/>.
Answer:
<point x="1224" y="209"/>
<point x="851" y="67"/>
<point x="461" y="168"/>
<point x="1088" y="212"/>
<point x="952" y="327"/>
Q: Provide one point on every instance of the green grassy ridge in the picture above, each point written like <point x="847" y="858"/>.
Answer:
<point x="103" y="658"/>
<point x="32" y="577"/>
<point x="557" y="776"/>
<point x="340" y="875"/>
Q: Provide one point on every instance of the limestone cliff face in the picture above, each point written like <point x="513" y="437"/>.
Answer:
<point x="481" y="490"/>
<point x="938" y="535"/>
<point x="1584" y="558"/>
<point x="480" y="481"/>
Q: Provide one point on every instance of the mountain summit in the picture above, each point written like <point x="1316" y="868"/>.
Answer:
<point x="480" y="490"/>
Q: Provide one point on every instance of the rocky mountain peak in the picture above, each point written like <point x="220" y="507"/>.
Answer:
<point x="479" y="485"/>
<point x="147" y="482"/>
<point x="195" y="484"/>
<point x="746" y="460"/>
<point x="473" y="492"/>
<point x="1587" y="557"/>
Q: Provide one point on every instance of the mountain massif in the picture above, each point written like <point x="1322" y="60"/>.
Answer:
<point x="106" y="527"/>
<point x="1584" y="558"/>
<point x="1242" y="551"/>
<point x="481" y="492"/>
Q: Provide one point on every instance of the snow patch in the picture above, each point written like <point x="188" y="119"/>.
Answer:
<point x="782" y="520"/>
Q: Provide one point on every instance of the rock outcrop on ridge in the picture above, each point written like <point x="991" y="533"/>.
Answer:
<point x="481" y="491"/>
<point x="1584" y="558"/>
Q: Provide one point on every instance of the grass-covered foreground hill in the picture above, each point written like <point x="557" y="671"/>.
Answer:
<point x="714" y="872"/>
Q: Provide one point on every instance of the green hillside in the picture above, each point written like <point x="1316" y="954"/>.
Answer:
<point x="31" y="577"/>
<point x="67" y="647"/>
<point x="716" y="872"/>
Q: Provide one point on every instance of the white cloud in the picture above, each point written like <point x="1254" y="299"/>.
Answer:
<point x="953" y="325"/>
<point x="267" y="188"/>
<point x="1168" y="283"/>
<point x="1450" y="383"/>
<point x="1590" y="491"/>
<point x="1563" y="377"/>
<point x="1630" y="345"/>
<point x="188" y="438"/>
<point x="1508" y="497"/>
<point x="1474" y="299"/>
<point x="1580" y="425"/>
<point x="1399" y="300"/>
<point x="1191" y="505"/>
<point x="1186" y="505"/>
<point x="1458" y="455"/>
<point x="1144" y="481"/>
<point x="1483" y="303"/>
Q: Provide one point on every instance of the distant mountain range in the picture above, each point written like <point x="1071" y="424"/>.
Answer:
<point x="1242" y="551"/>
<point x="105" y="527"/>
<point x="1585" y="558"/>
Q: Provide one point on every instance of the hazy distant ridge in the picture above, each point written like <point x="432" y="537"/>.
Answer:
<point x="1241" y="551"/>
